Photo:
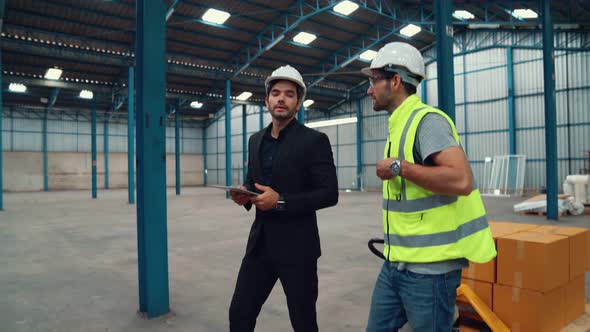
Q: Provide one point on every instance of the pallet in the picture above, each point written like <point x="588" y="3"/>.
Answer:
<point x="541" y="213"/>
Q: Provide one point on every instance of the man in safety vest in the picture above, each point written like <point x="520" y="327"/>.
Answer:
<point x="434" y="220"/>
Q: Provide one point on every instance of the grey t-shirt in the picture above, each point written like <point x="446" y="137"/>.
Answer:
<point x="433" y="135"/>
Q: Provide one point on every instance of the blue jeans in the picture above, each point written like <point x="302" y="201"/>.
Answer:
<point x="426" y="301"/>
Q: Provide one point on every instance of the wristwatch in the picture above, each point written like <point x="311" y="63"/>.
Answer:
<point x="396" y="167"/>
<point x="281" y="204"/>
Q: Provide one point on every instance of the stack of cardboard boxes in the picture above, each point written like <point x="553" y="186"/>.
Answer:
<point x="536" y="283"/>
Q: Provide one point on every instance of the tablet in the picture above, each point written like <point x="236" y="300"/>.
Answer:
<point x="235" y="189"/>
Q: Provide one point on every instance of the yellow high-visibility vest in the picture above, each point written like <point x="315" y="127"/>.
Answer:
<point x="420" y="226"/>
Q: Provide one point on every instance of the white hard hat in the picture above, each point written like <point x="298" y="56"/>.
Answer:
<point x="286" y="73"/>
<point x="396" y="55"/>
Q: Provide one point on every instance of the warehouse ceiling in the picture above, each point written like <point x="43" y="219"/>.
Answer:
<point x="92" y="41"/>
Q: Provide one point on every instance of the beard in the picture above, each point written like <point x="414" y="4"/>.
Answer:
<point x="381" y="103"/>
<point x="283" y="114"/>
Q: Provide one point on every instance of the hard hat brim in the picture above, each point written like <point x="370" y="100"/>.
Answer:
<point x="367" y="71"/>
<point x="283" y="78"/>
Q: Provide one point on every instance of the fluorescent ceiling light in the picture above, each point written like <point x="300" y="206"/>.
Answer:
<point x="244" y="95"/>
<point x="346" y="7"/>
<point x="196" y="104"/>
<point x="483" y="26"/>
<point x="463" y="15"/>
<point x="524" y="13"/>
<point x="53" y="74"/>
<point x="368" y="55"/>
<point x="308" y="102"/>
<point x="304" y="38"/>
<point x="215" y="16"/>
<point x="334" y="122"/>
<point x="86" y="94"/>
<point x="410" y="30"/>
<point x="17" y="87"/>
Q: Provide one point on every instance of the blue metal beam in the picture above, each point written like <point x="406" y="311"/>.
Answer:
<point x="273" y="34"/>
<point x="106" y="153"/>
<point x="359" y="145"/>
<point x="260" y="117"/>
<point x="11" y="128"/>
<point x="511" y="108"/>
<point x="210" y="70"/>
<point x="48" y="109"/>
<point x="244" y="143"/>
<point x="353" y="50"/>
<point x="131" y="137"/>
<point x="550" y="114"/>
<point x="444" y="50"/>
<point x="227" y="134"/>
<point x="177" y="149"/>
<point x="93" y="148"/>
<point x="465" y="112"/>
<point x="171" y="9"/>
<point x="2" y="5"/>
<point x="152" y="231"/>
<point x="205" y="153"/>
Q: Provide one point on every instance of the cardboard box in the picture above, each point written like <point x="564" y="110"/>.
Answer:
<point x="579" y="239"/>
<point x="487" y="271"/>
<point x="575" y="299"/>
<point x="526" y="310"/>
<point x="480" y="288"/>
<point x="532" y="260"/>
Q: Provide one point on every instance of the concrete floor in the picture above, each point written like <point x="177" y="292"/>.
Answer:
<point x="70" y="264"/>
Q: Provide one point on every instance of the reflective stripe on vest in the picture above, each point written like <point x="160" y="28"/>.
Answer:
<point x="402" y="204"/>
<point x="402" y="144"/>
<point x="437" y="239"/>
<point x="419" y="204"/>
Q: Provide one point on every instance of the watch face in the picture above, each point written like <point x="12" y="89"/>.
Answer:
<point x="395" y="166"/>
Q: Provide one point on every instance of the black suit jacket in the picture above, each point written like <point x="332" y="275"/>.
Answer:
<point x="303" y="172"/>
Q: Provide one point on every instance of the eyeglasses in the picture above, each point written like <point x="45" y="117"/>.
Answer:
<point x="373" y="80"/>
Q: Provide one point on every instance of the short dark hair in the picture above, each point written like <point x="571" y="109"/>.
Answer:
<point x="299" y="89"/>
<point x="409" y="88"/>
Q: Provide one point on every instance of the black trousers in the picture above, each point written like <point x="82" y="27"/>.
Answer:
<point x="256" y="279"/>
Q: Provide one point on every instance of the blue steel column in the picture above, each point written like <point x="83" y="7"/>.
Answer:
<point x="444" y="50"/>
<point x="465" y="114"/>
<point x="550" y="116"/>
<point x="130" y="138"/>
<point x="45" y="175"/>
<point x="2" y="5"/>
<point x="423" y="93"/>
<point x="205" y="153"/>
<point x="359" y="144"/>
<point x="261" y="116"/>
<point x="244" y="143"/>
<point x="106" y="153"/>
<point x="93" y="143"/>
<point x="511" y="114"/>
<point x="152" y="234"/>
<point x="177" y="149"/>
<point x="301" y="114"/>
<point x="1" y="147"/>
<point x="227" y="134"/>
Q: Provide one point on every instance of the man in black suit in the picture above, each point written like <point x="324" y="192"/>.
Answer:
<point x="293" y="169"/>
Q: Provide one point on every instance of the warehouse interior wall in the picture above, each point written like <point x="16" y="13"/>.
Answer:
<point x="69" y="152"/>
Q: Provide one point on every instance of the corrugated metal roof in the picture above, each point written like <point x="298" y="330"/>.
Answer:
<point x="94" y="40"/>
